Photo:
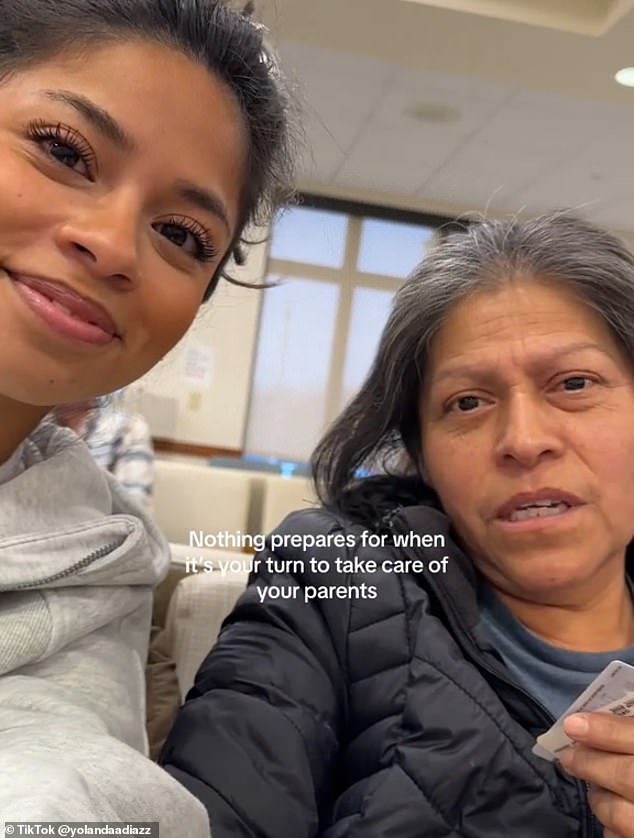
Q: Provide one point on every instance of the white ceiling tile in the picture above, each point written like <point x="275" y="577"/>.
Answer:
<point x="606" y="158"/>
<point x="469" y="86"/>
<point x="485" y="176"/>
<point x="533" y="126"/>
<point x="396" y="160"/>
<point x="587" y="113"/>
<point x="617" y="215"/>
<point x="542" y="200"/>
<point x="323" y="153"/>
<point x="516" y="129"/>
<point x="577" y="183"/>
<point x="337" y="90"/>
<point x="305" y="61"/>
<point x="473" y="103"/>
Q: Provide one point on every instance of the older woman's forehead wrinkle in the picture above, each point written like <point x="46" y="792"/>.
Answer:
<point x="515" y="328"/>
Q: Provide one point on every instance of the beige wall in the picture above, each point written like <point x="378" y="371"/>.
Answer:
<point x="199" y="393"/>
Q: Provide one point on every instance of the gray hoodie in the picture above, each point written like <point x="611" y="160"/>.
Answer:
<point x="78" y="561"/>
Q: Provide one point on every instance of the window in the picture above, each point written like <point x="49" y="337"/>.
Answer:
<point x="391" y="248"/>
<point x="370" y="309"/>
<point x="311" y="237"/>
<point x="292" y="367"/>
<point x="320" y="327"/>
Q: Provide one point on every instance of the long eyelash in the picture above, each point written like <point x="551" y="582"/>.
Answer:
<point x="39" y="130"/>
<point x="207" y="252"/>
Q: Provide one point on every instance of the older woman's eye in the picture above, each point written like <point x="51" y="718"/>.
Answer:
<point x="577" y="382"/>
<point x="464" y="404"/>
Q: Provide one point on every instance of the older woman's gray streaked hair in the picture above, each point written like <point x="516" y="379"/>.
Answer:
<point x="384" y="416"/>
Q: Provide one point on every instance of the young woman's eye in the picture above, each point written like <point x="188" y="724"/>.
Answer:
<point x="63" y="144"/>
<point x="189" y="236"/>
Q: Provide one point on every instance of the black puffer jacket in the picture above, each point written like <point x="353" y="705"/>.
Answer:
<point x="368" y="718"/>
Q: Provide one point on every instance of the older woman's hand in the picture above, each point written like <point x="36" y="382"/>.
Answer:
<point x="604" y="756"/>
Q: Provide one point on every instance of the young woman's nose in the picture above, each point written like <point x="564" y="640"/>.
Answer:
<point x="103" y="237"/>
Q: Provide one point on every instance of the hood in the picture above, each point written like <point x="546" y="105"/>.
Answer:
<point x="65" y="521"/>
<point x="374" y="500"/>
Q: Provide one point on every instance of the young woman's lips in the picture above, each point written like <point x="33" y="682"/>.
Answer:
<point x="67" y="315"/>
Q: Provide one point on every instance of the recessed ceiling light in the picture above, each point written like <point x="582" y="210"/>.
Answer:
<point x="625" y="76"/>
<point x="433" y="112"/>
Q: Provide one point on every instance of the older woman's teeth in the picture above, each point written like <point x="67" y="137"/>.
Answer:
<point x="541" y="511"/>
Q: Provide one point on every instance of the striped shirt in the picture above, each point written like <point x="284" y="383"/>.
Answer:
<point x="121" y="443"/>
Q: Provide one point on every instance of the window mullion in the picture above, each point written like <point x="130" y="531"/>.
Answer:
<point x="348" y="277"/>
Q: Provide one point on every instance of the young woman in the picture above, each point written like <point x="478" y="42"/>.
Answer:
<point x="137" y="140"/>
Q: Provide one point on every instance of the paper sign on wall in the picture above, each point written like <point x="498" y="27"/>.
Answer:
<point x="198" y="366"/>
<point x="195" y="401"/>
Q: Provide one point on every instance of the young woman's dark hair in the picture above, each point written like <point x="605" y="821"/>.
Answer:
<point x="228" y="42"/>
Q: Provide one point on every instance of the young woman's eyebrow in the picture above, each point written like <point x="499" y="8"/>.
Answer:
<point x="204" y="200"/>
<point x="104" y="122"/>
<point x="107" y="125"/>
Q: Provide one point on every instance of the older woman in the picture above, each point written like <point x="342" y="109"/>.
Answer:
<point x="372" y="698"/>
